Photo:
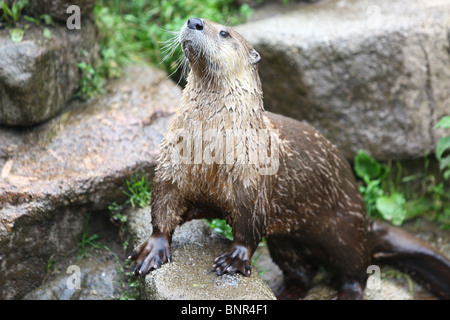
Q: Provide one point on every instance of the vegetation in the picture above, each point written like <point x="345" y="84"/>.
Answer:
<point x="443" y="147"/>
<point x="221" y="227"/>
<point x="91" y="82"/>
<point x="138" y="195"/>
<point x="387" y="195"/>
<point x="10" y="16"/>
<point x="13" y="13"/>
<point x="88" y="242"/>
<point x="139" y="192"/>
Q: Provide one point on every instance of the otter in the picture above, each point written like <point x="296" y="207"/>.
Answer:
<point x="269" y="176"/>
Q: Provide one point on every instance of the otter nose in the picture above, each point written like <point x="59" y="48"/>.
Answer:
<point x="195" y="24"/>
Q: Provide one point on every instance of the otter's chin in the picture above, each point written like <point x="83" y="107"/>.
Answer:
<point x="191" y="51"/>
<point x="187" y="48"/>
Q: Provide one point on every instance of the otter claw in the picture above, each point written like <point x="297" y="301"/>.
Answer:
<point x="151" y="255"/>
<point x="235" y="259"/>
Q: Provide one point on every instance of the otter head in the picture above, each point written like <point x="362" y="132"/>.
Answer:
<point x="217" y="52"/>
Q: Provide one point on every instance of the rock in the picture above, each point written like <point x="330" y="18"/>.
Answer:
<point x="189" y="275"/>
<point x="39" y="75"/>
<point x="99" y="280"/>
<point x="58" y="8"/>
<point x="369" y="75"/>
<point x="76" y="162"/>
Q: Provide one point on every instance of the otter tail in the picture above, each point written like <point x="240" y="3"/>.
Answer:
<point x="425" y="264"/>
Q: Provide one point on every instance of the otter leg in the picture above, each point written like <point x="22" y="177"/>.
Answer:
<point x="296" y="265"/>
<point x="351" y="265"/>
<point x="247" y="233"/>
<point x="168" y="211"/>
<point x="152" y="253"/>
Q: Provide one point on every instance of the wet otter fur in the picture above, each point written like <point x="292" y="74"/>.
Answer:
<point x="301" y="194"/>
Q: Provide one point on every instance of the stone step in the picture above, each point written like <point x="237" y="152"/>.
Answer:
<point x="53" y="174"/>
<point x="189" y="275"/>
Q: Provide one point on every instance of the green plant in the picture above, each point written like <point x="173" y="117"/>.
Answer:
<point x="52" y="265"/>
<point x="443" y="147"/>
<point x="87" y="241"/>
<point x="46" y="19"/>
<point x="379" y="203"/>
<point x="91" y="83"/>
<point x="221" y="227"/>
<point x="372" y="173"/>
<point x="120" y="219"/>
<point x="116" y="214"/>
<point x="139" y="191"/>
<point x="387" y="196"/>
<point x="131" y="291"/>
<point x="12" y="14"/>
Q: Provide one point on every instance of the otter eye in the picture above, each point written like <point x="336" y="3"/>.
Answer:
<point x="223" y="34"/>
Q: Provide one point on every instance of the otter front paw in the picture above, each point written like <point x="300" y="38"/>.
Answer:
<point x="151" y="254"/>
<point x="236" y="258"/>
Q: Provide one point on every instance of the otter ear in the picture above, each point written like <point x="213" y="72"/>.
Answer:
<point x="254" y="56"/>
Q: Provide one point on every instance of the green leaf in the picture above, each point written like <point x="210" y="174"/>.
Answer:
<point x="392" y="208"/>
<point x="443" y="123"/>
<point x="47" y="33"/>
<point x="442" y="145"/>
<point x="6" y="9"/>
<point x="47" y="19"/>
<point x="447" y="174"/>
<point x="367" y="167"/>
<point x="444" y="163"/>
<point x="17" y="34"/>
<point x="31" y="19"/>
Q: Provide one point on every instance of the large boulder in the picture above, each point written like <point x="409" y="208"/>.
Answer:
<point x="53" y="175"/>
<point x="38" y="76"/>
<point x="370" y="75"/>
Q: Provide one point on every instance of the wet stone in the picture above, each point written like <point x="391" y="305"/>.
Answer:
<point x="189" y="275"/>
<point x="38" y="76"/>
<point x="78" y="162"/>
<point x="98" y="280"/>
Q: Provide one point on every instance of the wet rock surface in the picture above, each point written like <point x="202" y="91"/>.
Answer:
<point x="83" y="272"/>
<point x="189" y="275"/>
<point x="75" y="163"/>
<point x="369" y="75"/>
<point x="97" y="282"/>
<point x="38" y="76"/>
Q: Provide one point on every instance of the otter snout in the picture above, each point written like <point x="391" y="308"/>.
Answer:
<point x="195" y="24"/>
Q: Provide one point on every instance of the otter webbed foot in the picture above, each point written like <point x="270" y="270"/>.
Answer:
<point x="235" y="259"/>
<point x="151" y="254"/>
